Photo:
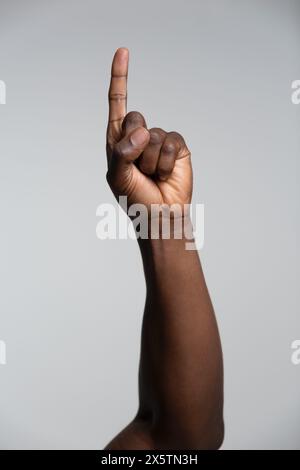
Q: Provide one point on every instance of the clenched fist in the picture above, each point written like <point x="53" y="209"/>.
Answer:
<point x="149" y="166"/>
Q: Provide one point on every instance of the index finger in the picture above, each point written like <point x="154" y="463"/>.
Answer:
<point x="117" y="94"/>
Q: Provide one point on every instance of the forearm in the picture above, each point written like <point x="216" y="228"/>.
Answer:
<point x="181" y="376"/>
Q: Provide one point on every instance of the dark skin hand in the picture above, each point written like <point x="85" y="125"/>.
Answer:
<point x="181" y="369"/>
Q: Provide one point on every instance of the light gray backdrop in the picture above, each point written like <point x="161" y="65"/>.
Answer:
<point x="219" y="72"/>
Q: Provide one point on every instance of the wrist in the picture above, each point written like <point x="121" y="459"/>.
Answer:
<point x="159" y="251"/>
<point x="161" y="222"/>
<point x="167" y="235"/>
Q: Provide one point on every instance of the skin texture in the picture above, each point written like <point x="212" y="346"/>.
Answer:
<point x="181" y="368"/>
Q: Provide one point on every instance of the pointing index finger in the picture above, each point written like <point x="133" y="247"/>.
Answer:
<point x="117" y="94"/>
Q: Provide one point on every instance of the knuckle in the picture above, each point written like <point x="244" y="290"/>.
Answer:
<point x="134" y="117"/>
<point x="169" y="147"/>
<point x="176" y="136"/>
<point x="117" y="96"/>
<point x="118" y="151"/>
<point x="157" y="135"/>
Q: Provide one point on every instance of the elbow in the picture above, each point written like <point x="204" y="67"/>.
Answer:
<point x="215" y="436"/>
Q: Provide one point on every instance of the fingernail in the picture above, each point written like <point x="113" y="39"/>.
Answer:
<point x="139" y="136"/>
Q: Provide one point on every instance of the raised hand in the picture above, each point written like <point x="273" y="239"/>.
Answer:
<point x="181" y="371"/>
<point x="149" y="166"/>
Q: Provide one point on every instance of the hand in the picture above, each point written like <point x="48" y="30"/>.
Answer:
<point x="148" y="166"/>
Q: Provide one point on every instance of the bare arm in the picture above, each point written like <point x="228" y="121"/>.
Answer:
<point x="181" y="372"/>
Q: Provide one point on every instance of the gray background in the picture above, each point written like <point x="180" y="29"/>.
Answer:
<point x="220" y="73"/>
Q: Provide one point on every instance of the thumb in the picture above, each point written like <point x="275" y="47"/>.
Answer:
<point x="131" y="146"/>
<point x="125" y="152"/>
